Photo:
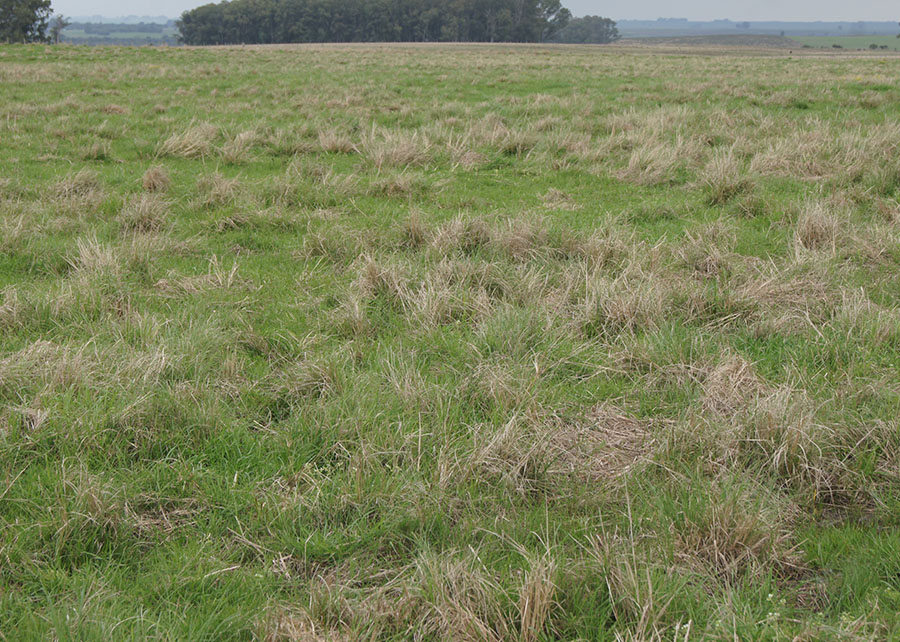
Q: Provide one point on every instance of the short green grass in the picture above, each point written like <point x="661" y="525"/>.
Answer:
<point x="448" y="343"/>
<point x="850" y="42"/>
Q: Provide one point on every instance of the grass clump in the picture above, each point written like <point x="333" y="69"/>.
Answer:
<point x="156" y="179"/>
<point x="144" y="213"/>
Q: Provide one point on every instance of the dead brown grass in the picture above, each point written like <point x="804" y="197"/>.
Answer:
<point x="194" y="142"/>
<point x="817" y="228"/>
<point x="156" y="179"/>
<point x="737" y="533"/>
<point x="391" y="149"/>
<point x="216" y="190"/>
<point x="144" y="213"/>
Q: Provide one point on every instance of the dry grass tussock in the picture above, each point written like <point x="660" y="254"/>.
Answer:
<point x="385" y="148"/>
<point x="559" y="200"/>
<point x="652" y="165"/>
<point x="79" y="193"/>
<point x="707" y="251"/>
<point x="237" y="149"/>
<point x="535" y="452"/>
<point x="156" y="179"/>
<point x="789" y="297"/>
<point x="292" y="625"/>
<point x="782" y="427"/>
<point x="7" y="189"/>
<point x="737" y="532"/>
<point x="400" y="184"/>
<point x="462" y="154"/>
<point x="218" y="277"/>
<point x="817" y="228"/>
<point x="194" y="142"/>
<point x="634" y="300"/>
<point x="460" y="601"/>
<point x="93" y="257"/>
<point x="859" y="317"/>
<point x="99" y="150"/>
<point x="335" y="243"/>
<point x="144" y="213"/>
<point x="626" y="566"/>
<point x="528" y="240"/>
<point x="16" y="232"/>
<point x="335" y="142"/>
<point x="216" y="190"/>
<point x="754" y="422"/>
<point x="309" y="379"/>
<point x="45" y="367"/>
<point x="492" y="131"/>
<point x="723" y="179"/>
<point x="730" y="385"/>
<point x="11" y="311"/>
<point x="607" y="444"/>
<point x="447" y="596"/>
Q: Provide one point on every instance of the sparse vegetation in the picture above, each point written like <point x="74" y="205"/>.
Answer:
<point x="449" y="343"/>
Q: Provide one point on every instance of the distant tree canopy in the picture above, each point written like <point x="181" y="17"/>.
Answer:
<point x="277" y="21"/>
<point x="588" y="30"/>
<point x="24" y="20"/>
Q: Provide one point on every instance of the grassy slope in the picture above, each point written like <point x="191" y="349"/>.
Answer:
<point x="448" y="343"/>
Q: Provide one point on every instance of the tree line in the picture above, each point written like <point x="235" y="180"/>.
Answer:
<point x="588" y="30"/>
<point x="277" y="21"/>
<point x="280" y="21"/>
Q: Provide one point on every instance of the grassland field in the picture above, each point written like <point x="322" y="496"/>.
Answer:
<point x="448" y="343"/>
<point x="850" y="42"/>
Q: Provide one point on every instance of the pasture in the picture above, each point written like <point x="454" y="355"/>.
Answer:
<point x="850" y="42"/>
<point x="392" y="342"/>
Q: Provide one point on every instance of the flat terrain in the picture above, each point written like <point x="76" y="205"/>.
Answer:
<point x="755" y="41"/>
<point x="850" y="42"/>
<point x="449" y="343"/>
<point x="167" y="35"/>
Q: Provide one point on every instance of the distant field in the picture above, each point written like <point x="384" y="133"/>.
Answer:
<point x="78" y="36"/>
<point x="731" y="40"/>
<point x="449" y="343"/>
<point x="849" y="42"/>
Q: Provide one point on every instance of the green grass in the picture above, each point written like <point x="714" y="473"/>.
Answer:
<point x="849" y="42"/>
<point x="441" y="343"/>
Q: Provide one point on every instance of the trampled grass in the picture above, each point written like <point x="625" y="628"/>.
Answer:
<point x="459" y="342"/>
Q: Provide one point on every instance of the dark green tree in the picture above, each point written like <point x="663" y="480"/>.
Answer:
<point x="24" y="20"/>
<point x="554" y="17"/>
<point x="589" y="30"/>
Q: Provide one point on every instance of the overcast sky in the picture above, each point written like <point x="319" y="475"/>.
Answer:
<point x="617" y="9"/>
<point x="802" y="10"/>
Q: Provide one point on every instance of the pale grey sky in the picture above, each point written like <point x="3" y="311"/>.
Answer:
<point x="801" y="10"/>
<point x="617" y="9"/>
